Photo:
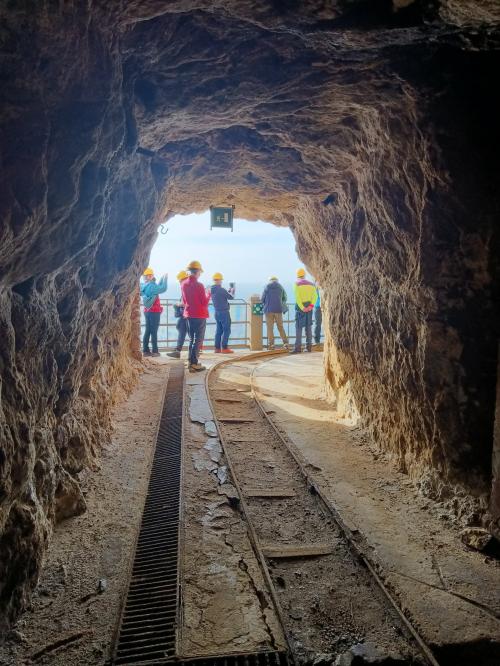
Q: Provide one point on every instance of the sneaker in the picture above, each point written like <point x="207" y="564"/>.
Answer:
<point x="174" y="354"/>
<point x="309" y="349"/>
<point x="217" y="351"/>
<point x="296" y="351"/>
<point x="146" y="353"/>
<point x="227" y="351"/>
<point x="196" y="367"/>
<point x="156" y="354"/>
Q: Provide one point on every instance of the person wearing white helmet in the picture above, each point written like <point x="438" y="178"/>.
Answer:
<point x="274" y="300"/>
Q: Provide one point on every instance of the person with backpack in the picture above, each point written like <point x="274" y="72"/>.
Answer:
<point x="181" y="324"/>
<point x="220" y="300"/>
<point x="150" y="294"/>
<point x="195" y="300"/>
<point x="274" y="300"/>
<point x="306" y="296"/>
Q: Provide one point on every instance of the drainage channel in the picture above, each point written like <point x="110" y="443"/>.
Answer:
<point x="147" y="632"/>
<point x="148" y="624"/>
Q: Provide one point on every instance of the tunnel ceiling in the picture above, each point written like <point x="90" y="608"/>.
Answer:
<point x="369" y="127"/>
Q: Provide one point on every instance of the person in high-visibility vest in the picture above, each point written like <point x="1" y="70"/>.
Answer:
<point x="150" y="292"/>
<point x="306" y="296"/>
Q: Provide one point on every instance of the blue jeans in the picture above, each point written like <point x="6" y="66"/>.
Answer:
<point x="303" y="320"/>
<point x="151" y="331"/>
<point x="181" y="327"/>
<point x="223" y="329"/>
<point x="196" y="329"/>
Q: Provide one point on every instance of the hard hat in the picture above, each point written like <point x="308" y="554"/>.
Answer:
<point x="217" y="276"/>
<point x="301" y="272"/>
<point x="194" y="265"/>
<point x="181" y="275"/>
<point x="149" y="271"/>
<point x="273" y="278"/>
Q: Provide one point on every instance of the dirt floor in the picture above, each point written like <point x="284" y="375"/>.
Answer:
<point x="451" y="593"/>
<point x="329" y="602"/>
<point x="77" y="601"/>
<point x="226" y="606"/>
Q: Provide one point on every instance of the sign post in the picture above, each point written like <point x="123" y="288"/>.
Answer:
<point x="221" y="217"/>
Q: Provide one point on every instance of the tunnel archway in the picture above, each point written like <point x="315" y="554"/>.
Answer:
<point x="372" y="134"/>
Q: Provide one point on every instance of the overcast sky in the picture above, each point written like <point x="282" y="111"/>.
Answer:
<point x="253" y="252"/>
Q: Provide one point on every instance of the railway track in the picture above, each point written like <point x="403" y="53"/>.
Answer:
<point x="327" y="593"/>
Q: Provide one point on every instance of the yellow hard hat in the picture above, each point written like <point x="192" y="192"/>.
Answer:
<point x="149" y="271"/>
<point x="301" y="272"/>
<point x="194" y="265"/>
<point x="273" y="278"/>
<point x="217" y="276"/>
<point x="181" y="275"/>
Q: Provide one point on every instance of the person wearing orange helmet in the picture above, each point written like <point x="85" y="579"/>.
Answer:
<point x="150" y="293"/>
<point x="181" y="324"/>
<point x="195" y="300"/>
<point x="220" y="299"/>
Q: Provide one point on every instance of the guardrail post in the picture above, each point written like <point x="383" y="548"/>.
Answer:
<point x="255" y="325"/>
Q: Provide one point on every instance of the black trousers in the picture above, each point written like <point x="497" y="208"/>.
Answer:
<point x="318" y="320"/>
<point x="196" y="330"/>
<point x="152" y="324"/>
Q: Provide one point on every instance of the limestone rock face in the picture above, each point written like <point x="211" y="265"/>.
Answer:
<point x="371" y="129"/>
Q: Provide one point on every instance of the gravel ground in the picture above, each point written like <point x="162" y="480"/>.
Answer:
<point x="76" y="605"/>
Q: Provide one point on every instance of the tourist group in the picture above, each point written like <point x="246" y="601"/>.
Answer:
<point x="192" y="312"/>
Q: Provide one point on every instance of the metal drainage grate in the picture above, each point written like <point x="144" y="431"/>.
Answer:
<point x="149" y="616"/>
<point x="255" y="659"/>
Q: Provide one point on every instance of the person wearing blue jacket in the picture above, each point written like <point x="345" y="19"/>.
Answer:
<point x="220" y="300"/>
<point x="150" y="294"/>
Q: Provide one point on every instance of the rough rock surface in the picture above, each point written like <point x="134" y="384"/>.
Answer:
<point x="370" y="128"/>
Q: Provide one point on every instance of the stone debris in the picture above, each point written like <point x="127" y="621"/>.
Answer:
<point x="222" y="474"/>
<point x="214" y="449"/>
<point x="476" y="538"/>
<point x="211" y="429"/>
<point x="199" y="407"/>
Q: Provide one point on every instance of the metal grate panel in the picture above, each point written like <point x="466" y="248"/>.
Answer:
<point x="147" y="632"/>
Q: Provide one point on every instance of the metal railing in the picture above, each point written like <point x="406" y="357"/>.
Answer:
<point x="240" y="325"/>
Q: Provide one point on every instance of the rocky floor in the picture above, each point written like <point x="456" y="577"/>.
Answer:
<point x="76" y="605"/>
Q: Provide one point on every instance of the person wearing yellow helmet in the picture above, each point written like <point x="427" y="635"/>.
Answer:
<point x="274" y="300"/>
<point x="195" y="300"/>
<point x="150" y="293"/>
<point x="181" y="324"/>
<point x="220" y="299"/>
<point x="306" y="296"/>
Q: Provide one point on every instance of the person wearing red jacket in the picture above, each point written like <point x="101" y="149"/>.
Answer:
<point x="195" y="299"/>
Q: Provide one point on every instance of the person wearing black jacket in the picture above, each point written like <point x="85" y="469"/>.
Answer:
<point x="274" y="300"/>
<point x="181" y="324"/>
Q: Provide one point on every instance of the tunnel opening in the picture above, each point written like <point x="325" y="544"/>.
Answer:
<point x="370" y="132"/>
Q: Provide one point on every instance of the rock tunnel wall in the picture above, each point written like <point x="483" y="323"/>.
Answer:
<point x="371" y="132"/>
